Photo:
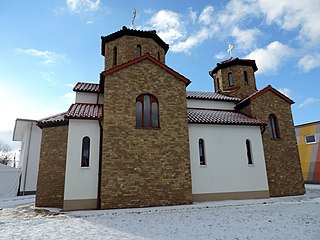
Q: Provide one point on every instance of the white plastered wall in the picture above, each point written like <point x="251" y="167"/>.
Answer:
<point x="82" y="182"/>
<point x="227" y="168"/>
<point x="91" y="98"/>
<point x="210" y="104"/>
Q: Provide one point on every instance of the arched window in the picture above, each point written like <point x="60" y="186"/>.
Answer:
<point x="249" y="152"/>
<point x="245" y="75"/>
<point x="147" y="111"/>
<point x="138" y="50"/>
<point x="158" y="56"/>
<point x="273" y="126"/>
<point x="230" y="80"/>
<point x="201" y="152"/>
<point x="85" y="152"/>
<point x="115" y="56"/>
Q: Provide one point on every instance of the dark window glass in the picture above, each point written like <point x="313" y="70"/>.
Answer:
<point x="201" y="152"/>
<point x="249" y="153"/>
<point x="138" y="50"/>
<point x="85" y="152"/>
<point x="158" y="56"/>
<point x="115" y="56"/>
<point x="139" y="114"/>
<point x="273" y="126"/>
<point x="245" y="75"/>
<point x="230" y="80"/>
<point x="147" y="111"/>
<point x="218" y="84"/>
<point x="311" y="139"/>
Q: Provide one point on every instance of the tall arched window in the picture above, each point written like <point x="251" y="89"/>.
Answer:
<point x="273" y="126"/>
<point x="138" y="50"/>
<point x="245" y="76"/>
<point x="249" y="152"/>
<point x="201" y="152"/>
<point x="115" y="56"/>
<point x="230" y="80"/>
<point x="85" y="152"/>
<point x="147" y="111"/>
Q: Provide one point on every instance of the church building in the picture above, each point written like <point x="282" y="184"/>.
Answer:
<point x="138" y="138"/>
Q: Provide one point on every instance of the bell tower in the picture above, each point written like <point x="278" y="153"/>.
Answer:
<point x="235" y="77"/>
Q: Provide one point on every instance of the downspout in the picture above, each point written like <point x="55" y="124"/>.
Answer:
<point x="27" y="160"/>
<point x="100" y="160"/>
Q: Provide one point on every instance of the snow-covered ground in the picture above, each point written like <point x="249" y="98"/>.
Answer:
<point x="274" y="218"/>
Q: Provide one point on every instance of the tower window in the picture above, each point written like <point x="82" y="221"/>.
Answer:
<point x="85" y="152"/>
<point x="147" y="111"/>
<point x="201" y="152"/>
<point x="245" y="75"/>
<point x="230" y="80"/>
<point x="158" y="56"/>
<point x="310" y="139"/>
<point x="138" y="50"/>
<point x="115" y="56"/>
<point x="273" y="126"/>
<point x="249" y="152"/>
<point x="218" y="83"/>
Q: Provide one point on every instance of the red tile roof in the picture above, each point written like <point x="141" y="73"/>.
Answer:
<point x="261" y="92"/>
<point x="210" y="96"/>
<point x="85" y="111"/>
<point x="55" y="120"/>
<point x="232" y="62"/>
<point x="147" y="57"/>
<point x="86" y="87"/>
<point x="132" y="32"/>
<point x="211" y="116"/>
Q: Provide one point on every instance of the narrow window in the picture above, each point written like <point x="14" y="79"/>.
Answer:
<point x="158" y="56"/>
<point x="85" y="152"/>
<point x="147" y="111"/>
<point x="115" y="56"/>
<point x="249" y="152"/>
<point x="218" y="84"/>
<point x="245" y="75"/>
<point x="230" y="80"/>
<point x="138" y="50"/>
<point x="310" y="139"/>
<point x="274" y="128"/>
<point x="201" y="152"/>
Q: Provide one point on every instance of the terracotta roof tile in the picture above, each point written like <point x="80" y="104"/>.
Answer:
<point x="210" y="96"/>
<point x="234" y="61"/>
<point x="86" y="87"/>
<point x="85" y="111"/>
<point x="211" y="116"/>
<point x="58" y="119"/>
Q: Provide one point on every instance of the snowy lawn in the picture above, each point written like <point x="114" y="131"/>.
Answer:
<point x="274" y="218"/>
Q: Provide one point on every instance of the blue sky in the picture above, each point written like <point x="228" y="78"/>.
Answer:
<point x="48" y="46"/>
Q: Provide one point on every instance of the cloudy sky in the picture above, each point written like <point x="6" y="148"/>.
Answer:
<point x="48" y="46"/>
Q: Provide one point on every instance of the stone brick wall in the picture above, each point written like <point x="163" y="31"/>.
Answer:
<point x="126" y="49"/>
<point x="50" y="186"/>
<point x="242" y="90"/>
<point x="282" y="158"/>
<point x="145" y="167"/>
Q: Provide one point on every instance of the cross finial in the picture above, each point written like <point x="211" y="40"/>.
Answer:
<point x="134" y="13"/>
<point x="230" y="48"/>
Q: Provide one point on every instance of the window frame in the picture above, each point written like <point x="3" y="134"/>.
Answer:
<point x="85" y="163"/>
<point x="249" y="152"/>
<point x="274" y="127"/>
<point x="311" y="135"/>
<point x="151" y="116"/>
<point x="245" y="76"/>
<point x="201" y="149"/>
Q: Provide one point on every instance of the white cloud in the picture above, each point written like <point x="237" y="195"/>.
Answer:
<point x="309" y="62"/>
<point x="309" y="101"/>
<point x="286" y="91"/>
<point x="70" y="85"/>
<point x="70" y="95"/>
<point x="192" y="15"/>
<point x="206" y="16"/>
<point x="294" y="14"/>
<point x="245" y="39"/>
<point x="169" y="25"/>
<point x="79" y="6"/>
<point x="90" y="22"/>
<point x="220" y="55"/>
<point x="47" y="56"/>
<point x="270" y="58"/>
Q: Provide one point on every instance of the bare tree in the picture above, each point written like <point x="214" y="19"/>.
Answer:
<point x="5" y="153"/>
